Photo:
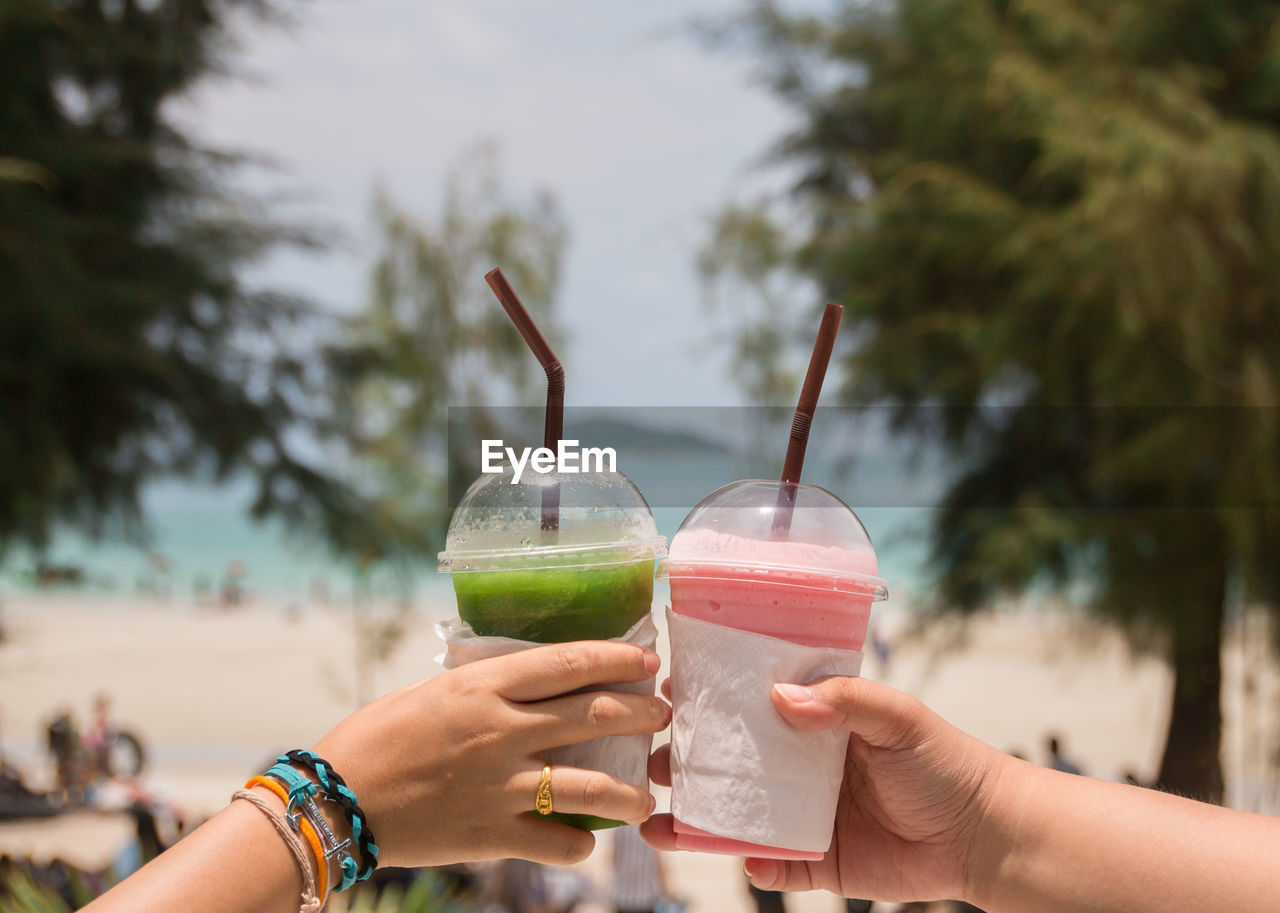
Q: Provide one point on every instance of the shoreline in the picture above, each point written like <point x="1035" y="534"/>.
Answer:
<point x="190" y="681"/>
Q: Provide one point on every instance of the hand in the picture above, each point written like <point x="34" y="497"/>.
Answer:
<point x="446" y="769"/>
<point x="913" y="797"/>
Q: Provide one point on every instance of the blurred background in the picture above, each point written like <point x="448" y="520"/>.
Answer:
<point x="246" y="349"/>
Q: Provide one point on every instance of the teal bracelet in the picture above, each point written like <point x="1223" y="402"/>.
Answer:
<point x="302" y="804"/>
<point x="337" y="791"/>
<point x="302" y="796"/>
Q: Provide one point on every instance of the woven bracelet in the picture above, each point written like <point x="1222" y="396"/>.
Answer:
<point x="302" y="794"/>
<point x="305" y="827"/>
<point x="337" y="791"/>
<point x="312" y="900"/>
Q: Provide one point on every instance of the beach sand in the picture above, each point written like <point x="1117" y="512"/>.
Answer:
<point x="216" y="694"/>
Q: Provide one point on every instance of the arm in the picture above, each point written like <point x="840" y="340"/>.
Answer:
<point x="1054" y="841"/>
<point x="445" y="771"/>
<point x="235" y="861"/>
<point x="927" y="812"/>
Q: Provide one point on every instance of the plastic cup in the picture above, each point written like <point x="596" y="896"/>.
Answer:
<point x="810" y="580"/>
<point x="589" y="579"/>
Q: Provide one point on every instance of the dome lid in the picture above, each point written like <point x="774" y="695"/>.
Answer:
<point x="816" y="541"/>
<point x="603" y="519"/>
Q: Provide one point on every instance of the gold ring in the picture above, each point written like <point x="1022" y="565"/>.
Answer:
<point x="542" y="802"/>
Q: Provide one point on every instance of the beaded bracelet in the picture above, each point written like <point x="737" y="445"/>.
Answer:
<point x="337" y="791"/>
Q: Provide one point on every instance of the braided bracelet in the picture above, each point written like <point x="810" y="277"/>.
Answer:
<point x="337" y="791"/>
<point x="302" y="791"/>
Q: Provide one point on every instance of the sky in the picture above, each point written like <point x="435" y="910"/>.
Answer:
<point x="640" y="130"/>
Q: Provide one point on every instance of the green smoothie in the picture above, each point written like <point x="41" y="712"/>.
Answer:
<point x="588" y="576"/>
<point x="556" y="604"/>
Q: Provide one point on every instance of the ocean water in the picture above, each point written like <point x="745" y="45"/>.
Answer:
<point x="199" y="534"/>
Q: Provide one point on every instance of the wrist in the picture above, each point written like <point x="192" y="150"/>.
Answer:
<point x="301" y="839"/>
<point x="317" y="790"/>
<point x="1000" y="801"/>
<point x="363" y="779"/>
<point x="326" y="830"/>
<point x="1007" y="793"/>
<point x="340" y="833"/>
<point x="334" y="832"/>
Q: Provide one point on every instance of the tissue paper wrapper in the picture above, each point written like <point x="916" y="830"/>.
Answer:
<point x="623" y="756"/>
<point x="738" y="770"/>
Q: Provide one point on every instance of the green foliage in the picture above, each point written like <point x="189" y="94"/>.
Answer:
<point x="429" y="893"/>
<point x="12" y="169"/>
<point x="28" y="897"/>
<point x="131" y="347"/>
<point x="23" y="894"/>
<point x="744" y="271"/>
<point x="432" y="335"/>
<point x="1059" y="220"/>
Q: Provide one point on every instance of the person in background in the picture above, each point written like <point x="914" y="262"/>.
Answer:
<point x="1057" y="760"/>
<point x="514" y="886"/>
<point x="767" y="901"/>
<point x="233" y="593"/>
<point x="96" y="738"/>
<point x="882" y="647"/>
<point x="1128" y="776"/>
<point x="147" y="843"/>
<point x="521" y="886"/>
<point x="63" y="742"/>
<point x="638" y="880"/>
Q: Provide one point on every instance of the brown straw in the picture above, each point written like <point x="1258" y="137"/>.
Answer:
<point x="803" y="419"/>
<point x="553" y="431"/>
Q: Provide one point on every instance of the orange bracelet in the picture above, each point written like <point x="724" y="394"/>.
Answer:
<point x="309" y="832"/>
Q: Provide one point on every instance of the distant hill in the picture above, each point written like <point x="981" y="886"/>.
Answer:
<point x="633" y="438"/>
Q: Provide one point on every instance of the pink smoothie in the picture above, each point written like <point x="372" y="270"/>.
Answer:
<point x="793" y="591"/>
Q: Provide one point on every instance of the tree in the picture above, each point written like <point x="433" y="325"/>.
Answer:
<point x="744" y="272"/>
<point x="1059" y="221"/>
<point x="431" y="336"/>
<point x="130" y="347"/>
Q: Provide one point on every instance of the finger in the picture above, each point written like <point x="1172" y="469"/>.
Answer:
<point x="555" y="843"/>
<point x="587" y="792"/>
<point x="660" y="765"/>
<point x="659" y="832"/>
<point x="543" y="672"/>
<point x="882" y="716"/>
<point x="579" y="717"/>
<point x="776" y="875"/>
<point x="666" y="688"/>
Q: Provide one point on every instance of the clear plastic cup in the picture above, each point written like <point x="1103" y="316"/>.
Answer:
<point x="801" y="570"/>
<point x="589" y="578"/>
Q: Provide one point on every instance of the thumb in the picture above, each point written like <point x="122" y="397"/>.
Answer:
<point x="882" y="716"/>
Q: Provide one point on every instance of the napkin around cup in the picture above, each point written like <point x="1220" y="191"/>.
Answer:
<point x="623" y="756"/>
<point x="738" y="769"/>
